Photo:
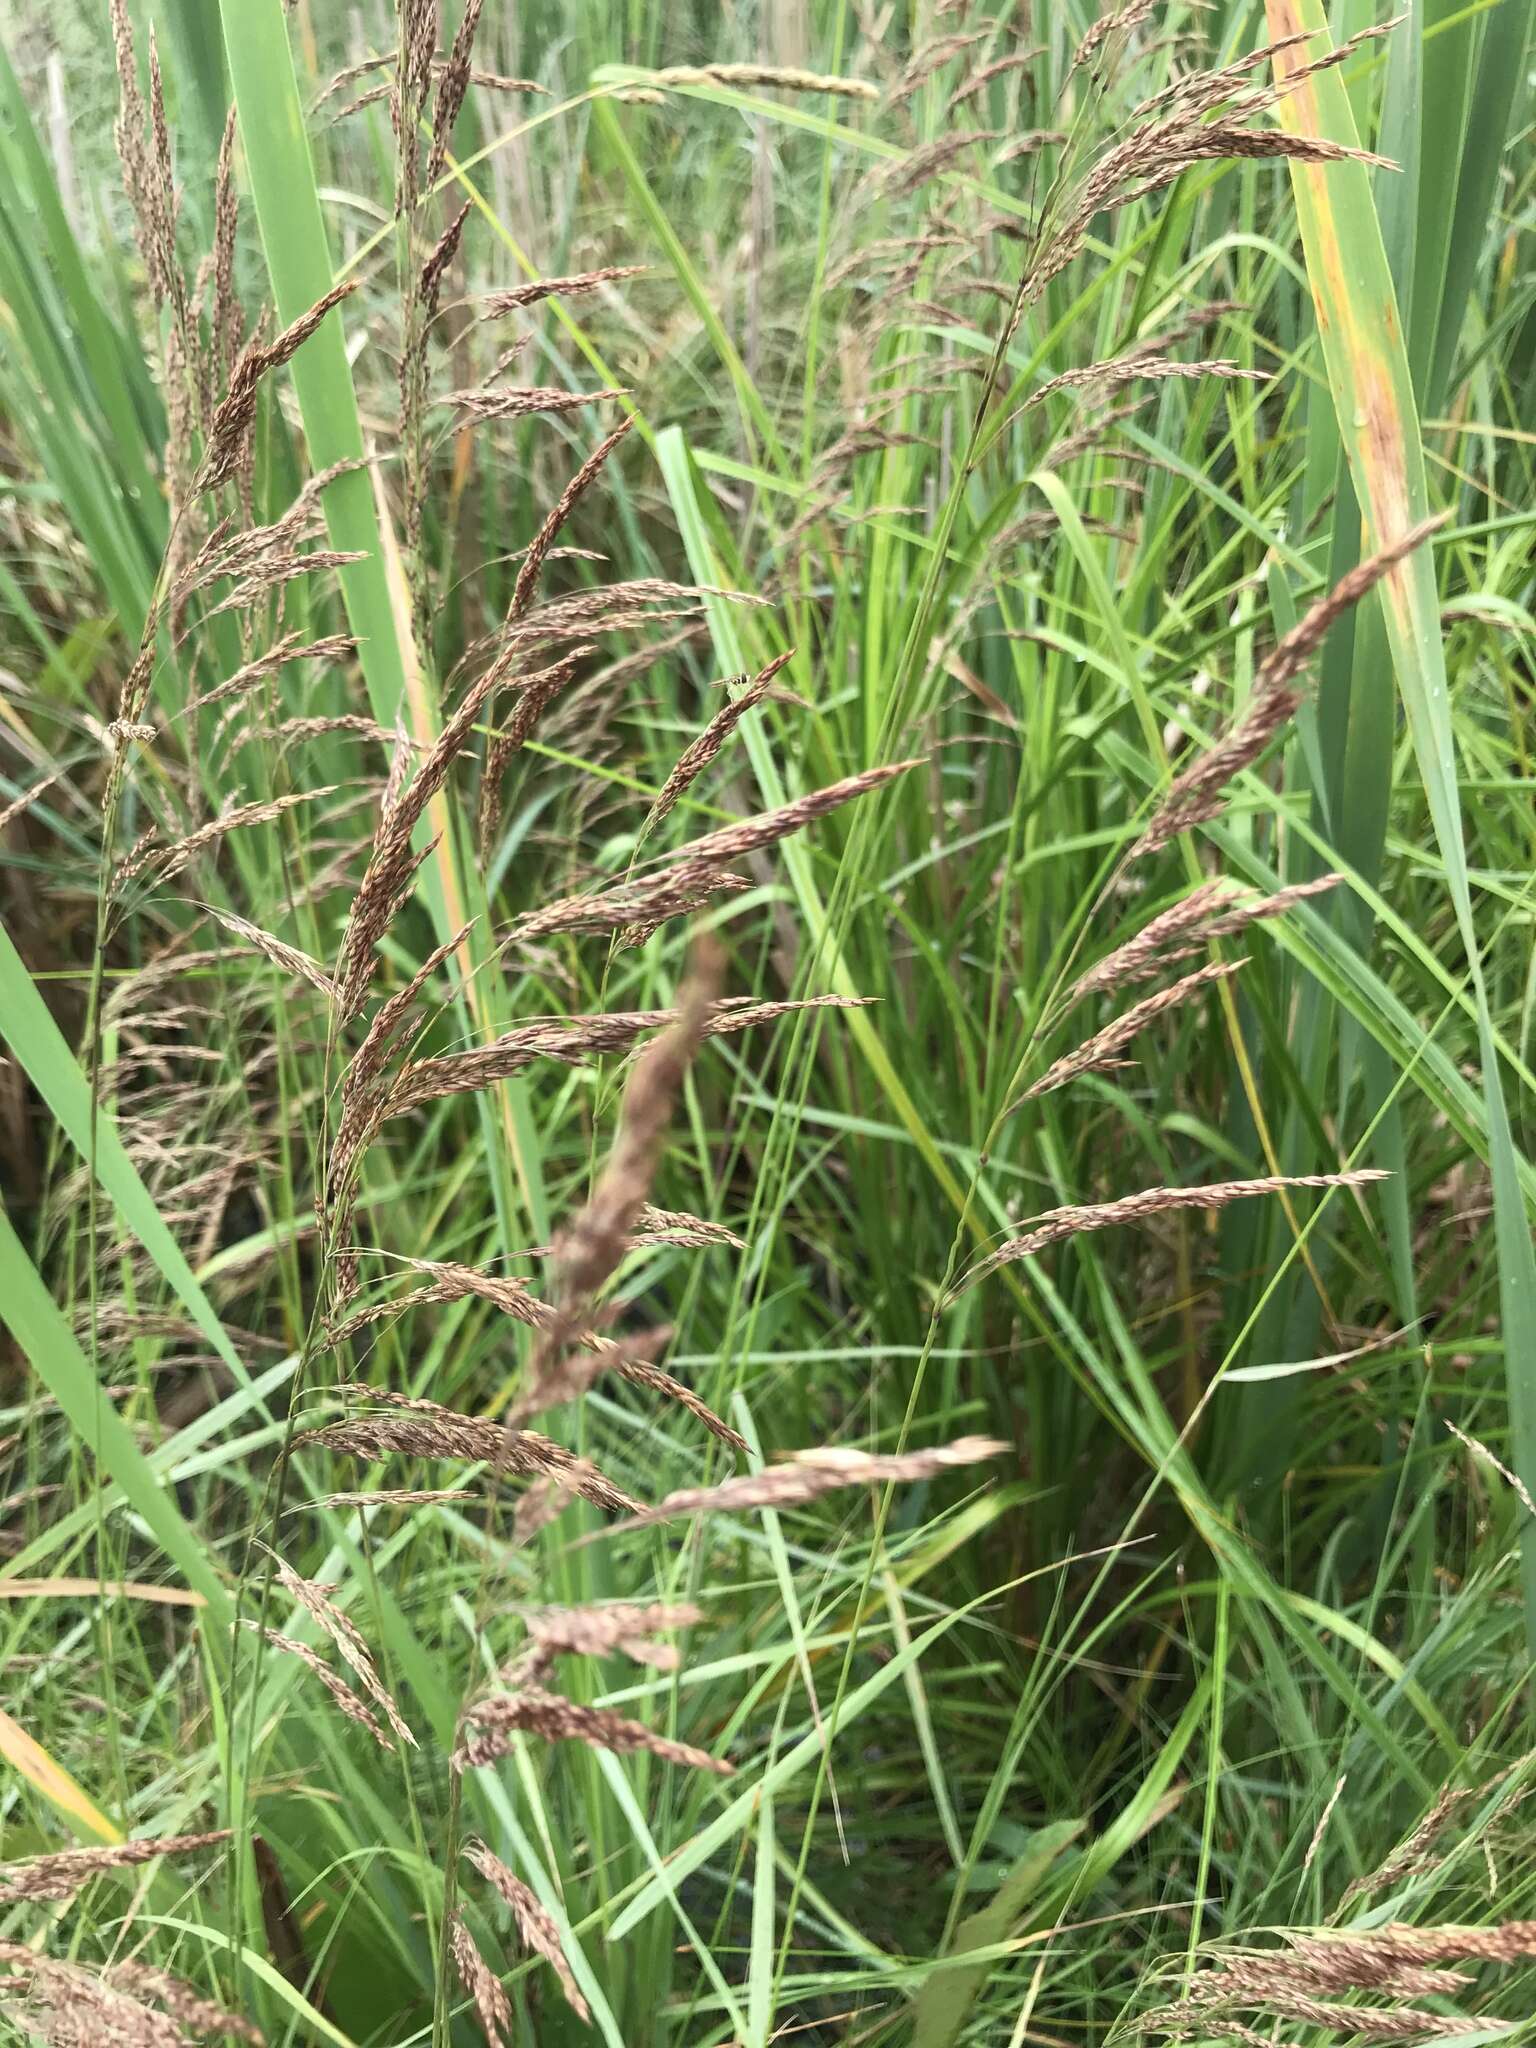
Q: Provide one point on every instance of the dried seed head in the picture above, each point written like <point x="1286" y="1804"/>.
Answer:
<point x="493" y="2008"/>
<point x="430" y="287"/>
<point x="291" y="647"/>
<point x="1195" y="794"/>
<point x="343" y="1632"/>
<point x="433" y="1433"/>
<point x="569" y="1359"/>
<point x="66" y="2005"/>
<point x="1291" y="655"/>
<point x="590" y="1249"/>
<point x="572" y="1041"/>
<point x="536" y="1928"/>
<point x="59" y="1876"/>
<point x="1118" y="371"/>
<point x="780" y="77"/>
<point x="233" y="417"/>
<point x="391" y="862"/>
<point x="631" y="1629"/>
<point x="23" y="803"/>
<point x="673" y="1226"/>
<point x="749" y="835"/>
<point x="1212" y="911"/>
<point x="1073" y="1220"/>
<point x="143" y="148"/>
<point x="389" y="1497"/>
<point x="452" y="84"/>
<point x="341" y="1693"/>
<point x="1099" y="1051"/>
<point x="535" y="694"/>
<point x="225" y="319"/>
<point x="546" y="1499"/>
<point x="489" y="1725"/>
<point x="188" y="2008"/>
<point x="533" y="562"/>
<point x="807" y="1475"/>
<point x="368" y="1061"/>
<point x="516" y="403"/>
<point x="498" y="304"/>
<point x="278" y="951"/>
<point x="164" y="862"/>
<point x="634" y="907"/>
<point x="697" y="757"/>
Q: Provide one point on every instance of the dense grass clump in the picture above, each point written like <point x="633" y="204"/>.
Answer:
<point x="765" y="890"/>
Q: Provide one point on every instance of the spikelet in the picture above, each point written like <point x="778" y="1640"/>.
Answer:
<point x="391" y="862"/>
<point x="314" y="1599"/>
<point x="334" y="647"/>
<point x="627" y="1629"/>
<point x="23" y="803"/>
<point x="1211" y="911"/>
<point x="1099" y="1051"/>
<point x="1195" y="794"/>
<point x="513" y="402"/>
<point x="452" y="84"/>
<point x="549" y="532"/>
<point x="233" y="417"/>
<point x="807" y="1475"/>
<point x="1075" y="1219"/>
<point x="278" y="951"/>
<point x="493" y="2008"/>
<point x="572" y="1041"/>
<point x="536" y="1929"/>
<point x="432" y="1432"/>
<point x="489" y="1725"/>
<point x="589" y="1250"/>
<point x="780" y="77"/>
<point x="341" y="1693"/>
<point x="697" y="757"/>
<point x="430" y="284"/>
<point x="634" y="908"/>
<point x="673" y="1226"/>
<point x="536" y="693"/>
<point x="188" y="2008"/>
<point x="630" y="1358"/>
<point x="520" y="297"/>
<point x="59" y="1876"/>
<point x="750" y="835"/>
<point x="161" y="863"/>
<point x="70" y="2006"/>
<point x="388" y="1497"/>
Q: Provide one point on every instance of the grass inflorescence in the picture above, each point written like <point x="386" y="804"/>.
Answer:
<point x="765" y="868"/>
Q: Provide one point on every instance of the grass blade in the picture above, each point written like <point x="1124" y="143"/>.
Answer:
<point x="28" y="1027"/>
<point x="298" y="258"/>
<point x="47" y="1341"/>
<point x="1368" y="372"/>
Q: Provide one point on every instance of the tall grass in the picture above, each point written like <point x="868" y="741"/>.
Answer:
<point x="766" y="960"/>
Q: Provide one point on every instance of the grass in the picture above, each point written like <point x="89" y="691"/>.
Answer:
<point x="1029" y="459"/>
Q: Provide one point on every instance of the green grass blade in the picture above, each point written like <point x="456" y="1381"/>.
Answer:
<point x="1369" y="374"/>
<point x="41" y="1049"/>
<point x="1499" y="77"/>
<point x="299" y="260"/>
<point x="947" y="1997"/>
<point x="37" y="1323"/>
<point x="784" y="1769"/>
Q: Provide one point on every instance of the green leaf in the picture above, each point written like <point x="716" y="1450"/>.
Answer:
<point x="43" y="1052"/>
<point x="948" y="1995"/>
<point x="782" y="1771"/>
<point x="299" y="260"/>
<point x="37" y="1323"/>
<point x="1372" y="387"/>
